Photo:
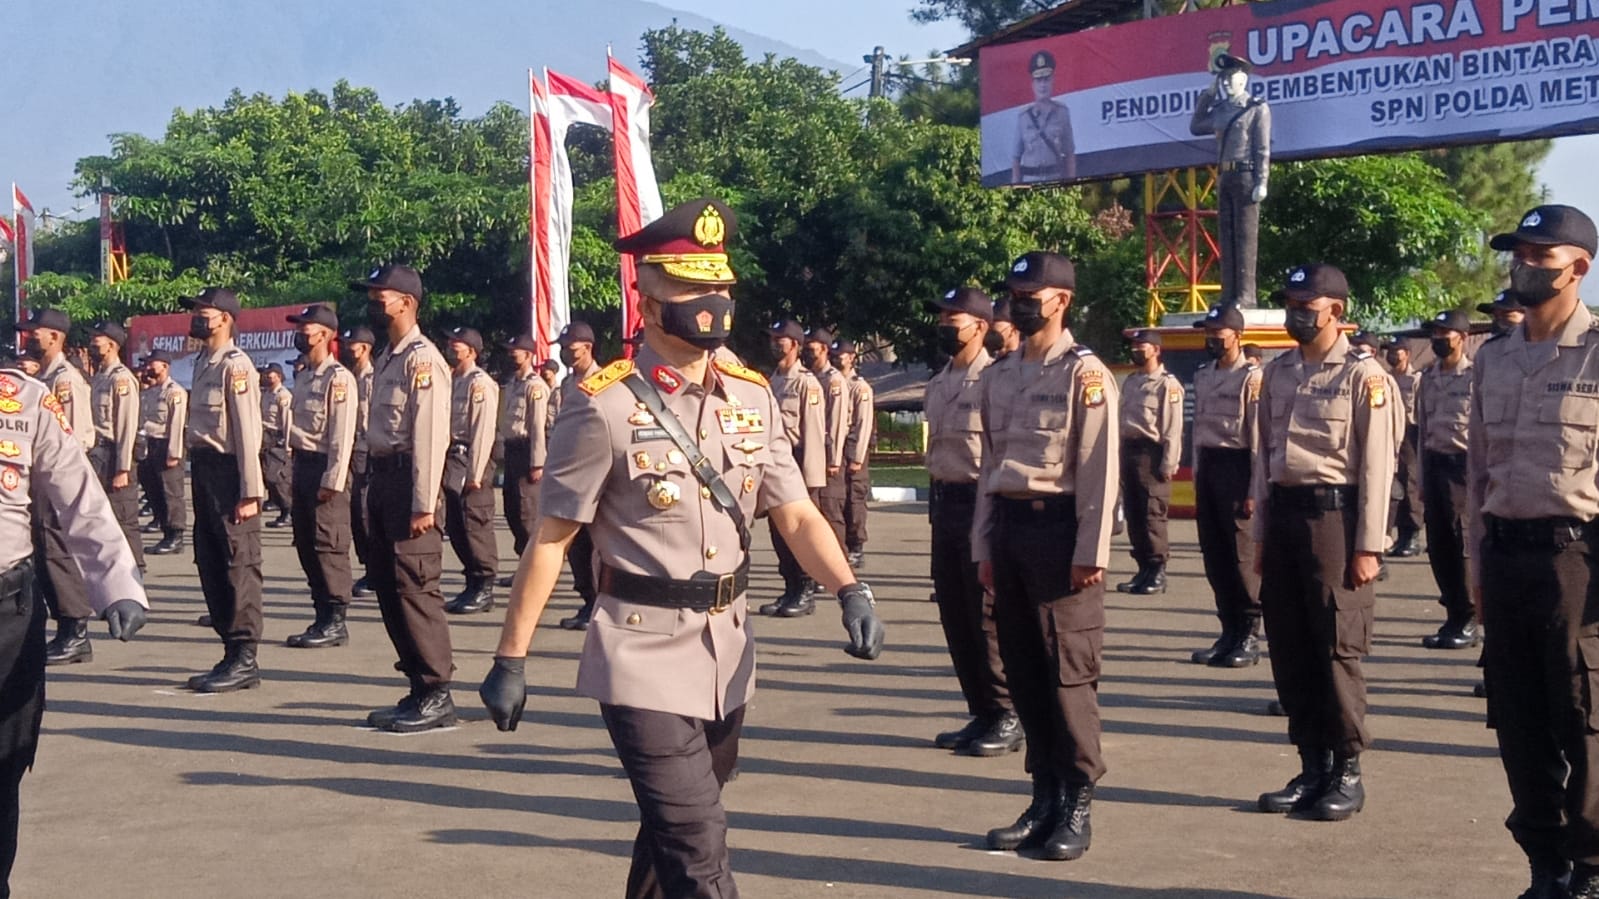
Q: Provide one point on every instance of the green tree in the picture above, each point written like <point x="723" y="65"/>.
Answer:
<point x="1499" y="181"/>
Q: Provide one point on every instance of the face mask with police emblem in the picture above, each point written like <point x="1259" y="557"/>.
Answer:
<point x="704" y="322"/>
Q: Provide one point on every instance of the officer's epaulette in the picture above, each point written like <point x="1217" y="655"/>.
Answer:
<point x="1360" y="354"/>
<point x="1082" y="350"/>
<point x="235" y="353"/>
<point x="1507" y="334"/>
<point x="609" y="375"/>
<point x="1252" y="366"/>
<point x="734" y="370"/>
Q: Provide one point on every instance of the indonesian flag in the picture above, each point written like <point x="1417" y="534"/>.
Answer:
<point x="22" y="242"/>
<point x="557" y="105"/>
<point x="638" y="196"/>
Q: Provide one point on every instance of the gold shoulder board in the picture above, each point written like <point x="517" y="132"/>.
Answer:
<point x="606" y="377"/>
<point x="738" y="371"/>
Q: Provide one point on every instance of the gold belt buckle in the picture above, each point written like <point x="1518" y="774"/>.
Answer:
<point x="726" y="592"/>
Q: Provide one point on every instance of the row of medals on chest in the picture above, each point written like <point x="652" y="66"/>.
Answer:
<point x="661" y="493"/>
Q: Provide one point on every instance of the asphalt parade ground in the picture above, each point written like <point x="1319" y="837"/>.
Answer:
<point x="143" y="789"/>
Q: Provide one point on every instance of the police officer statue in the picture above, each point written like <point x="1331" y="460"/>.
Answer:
<point x="1242" y="126"/>
<point x="668" y="458"/>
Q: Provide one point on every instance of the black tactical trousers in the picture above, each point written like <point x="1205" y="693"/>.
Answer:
<point x="1146" y="499"/>
<point x="227" y="553"/>
<point x="521" y="498"/>
<point x="857" y="491"/>
<point x="1444" y="499"/>
<point x="124" y="499"/>
<point x="56" y="571"/>
<point x="164" y="487"/>
<point x="1405" y="508"/>
<point x="22" y="617"/>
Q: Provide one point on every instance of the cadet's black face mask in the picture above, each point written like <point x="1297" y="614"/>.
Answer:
<point x="1215" y="347"/>
<point x="199" y="327"/>
<point x="993" y="342"/>
<point x="1027" y="314"/>
<point x="1303" y="325"/>
<point x="1503" y="326"/>
<point x="32" y="348"/>
<point x="1535" y="286"/>
<point x="378" y="315"/>
<point x="302" y="343"/>
<point x="949" y="340"/>
<point x="1138" y="357"/>
<point x="704" y="322"/>
<point x="1441" y="347"/>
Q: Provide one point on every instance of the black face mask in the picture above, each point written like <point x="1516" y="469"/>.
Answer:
<point x="950" y="342"/>
<point x="703" y="322"/>
<point x="993" y="342"/>
<point x="814" y="359"/>
<point x="1393" y="359"/>
<point x="1502" y="327"/>
<point x="32" y="348"/>
<point x="1215" y="347"/>
<point x="1027" y="314"/>
<point x="568" y="357"/>
<point x="1441" y="347"/>
<point x="378" y="316"/>
<point x="302" y="343"/>
<point x="1138" y="357"/>
<point x="199" y="328"/>
<point x="1534" y="286"/>
<point x="1302" y="325"/>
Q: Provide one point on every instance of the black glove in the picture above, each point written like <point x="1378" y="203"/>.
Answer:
<point x="124" y="617"/>
<point x="860" y="622"/>
<point x="504" y="692"/>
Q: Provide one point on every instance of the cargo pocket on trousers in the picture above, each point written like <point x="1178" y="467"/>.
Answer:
<point x="1588" y="653"/>
<point x="244" y="546"/>
<point x="1077" y="636"/>
<point x="1352" y="631"/>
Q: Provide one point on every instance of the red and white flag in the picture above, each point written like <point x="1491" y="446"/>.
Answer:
<point x="22" y="243"/>
<point x="538" y="215"/>
<point x="638" y="196"/>
<point x="567" y="102"/>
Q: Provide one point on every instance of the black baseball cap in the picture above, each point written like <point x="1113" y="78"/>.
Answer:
<point x="843" y="345"/>
<point x="110" y="331"/>
<point x="402" y="278"/>
<point x="790" y="329"/>
<point x="271" y="368"/>
<point x="219" y="298"/>
<point x="1225" y="315"/>
<point x="1144" y="335"/>
<point x="1551" y="226"/>
<point x="360" y="334"/>
<point x="523" y="342"/>
<point x="316" y="314"/>
<point x="1451" y="320"/>
<point x="819" y="335"/>
<point x="468" y="336"/>
<point x="1037" y="270"/>
<point x="1318" y="279"/>
<point x="1366" y="338"/>
<point x="1506" y="301"/>
<point x="157" y="356"/>
<point x="52" y="319"/>
<point x="969" y="300"/>
<point x="576" y="332"/>
<point x="550" y="365"/>
<point x="1002" y="310"/>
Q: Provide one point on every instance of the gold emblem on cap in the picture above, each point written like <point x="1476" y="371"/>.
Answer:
<point x="663" y="495"/>
<point x="709" y="229"/>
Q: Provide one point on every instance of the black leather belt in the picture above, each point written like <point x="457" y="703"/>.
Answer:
<point x="707" y="593"/>
<point x="396" y="462"/>
<point x="1446" y="460"/>
<point x="1537" y="534"/>
<point x="305" y="457"/>
<point x="952" y="492"/>
<point x="1314" y="498"/>
<point x="1237" y="167"/>
<point x="1038" y="508"/>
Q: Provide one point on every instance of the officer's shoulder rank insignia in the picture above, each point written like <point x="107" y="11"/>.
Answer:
<point x="1360" y="353"/>
<point x="1376" y="391"/>
<point x="1092" y="384"/>
<point x="606" y="377"/>
<point x="734" y="370"/>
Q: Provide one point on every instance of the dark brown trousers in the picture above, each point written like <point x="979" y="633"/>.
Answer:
<point x="56" y="572"/>
<point x="521" y="498"/>
<point x="965" y="609"/>
<point x="1443" y="491"/>
<point x="227" y="553"/>
<point x="1405" y="508"/>
<point x="1221" y="486"/>
<point x="1146" y="497"/>
<point x="321" y="533"/>
<point x="405" y="574"/>
<point x="857" y="491"/>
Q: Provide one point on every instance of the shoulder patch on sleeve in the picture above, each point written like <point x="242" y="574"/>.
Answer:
<point x="1377" y="391"/>
<point x="239" y="378"/>
<point x="1091" y="384"/>
<point x="734" y="370"/>
<point x="608" y="376"/>
<point x="422" y="375"/>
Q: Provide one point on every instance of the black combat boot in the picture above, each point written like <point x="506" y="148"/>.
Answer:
<point x="1222" y="646"/>
<point x="1003" y="735"/>
<point x="1315" y="767"/>
<point x="432" y="708"/>
<point x="1131" y="586"/>
<point x="960" y="739"/>
<point x="579" y="621"/>
<point x="1244" y="653"/>
<point x="798" y="607"/>
<point x="282" y="521"/>
<point x="362" y="587"/>
<point x="477" y="597"/>
<point x="1550" y="878"/>
<point x="1033" y="827"/>
<point x="382" y="718"/>
<point x="856" y="559"/>
<point x="328" y="630"/>
<point x="71" y="644"/>
<point x="1154" y="582"/>
<point x="1344" y="794"/>
<point x="1408" y="544"/>
<point x="172" y="542"/>
<point x="1073" y="828"/>
<point x="152" y="527"/>
<point x="240" y="674"/>
<point x="1458" y="632"/>
<point x="790" y="593"/>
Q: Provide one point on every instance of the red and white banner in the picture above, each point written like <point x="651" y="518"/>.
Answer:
<point x="265" y="334"/>
<point x="538" y="232"/>
<point x="638" y="197"/>
<point x="1342" y="77"/>
<point x="569" y="102"/>
<point x="22" y="245"/>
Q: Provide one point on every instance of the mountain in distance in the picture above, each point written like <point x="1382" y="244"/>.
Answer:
<point x="134" y="64"/>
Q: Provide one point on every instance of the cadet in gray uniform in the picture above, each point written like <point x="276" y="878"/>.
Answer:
<point x="668" y="655"/>
<point x="524" y="424"/>
<point x="356" y="354"/>
<point x="577" y="354"/>
<point x="167" y="417"/>
<point x="275" y="413"/>
<point x="114" y="399"/>
<point x="1242" y="127"/>
<point x="1045" y="150"/>
<point x="1443" y="410"/>
<point x="469" y="473"/>
<point x="857" y="450"/>
<point x="799" y="403"/>
<point x="56" y="571"/>
<point x="322" y="435"/>
<point x="48" y="467"/>
<point x="224" y="444"/>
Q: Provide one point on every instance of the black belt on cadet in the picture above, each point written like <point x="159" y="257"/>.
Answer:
<point x="705" y="593"/>
<point x="952" y="492"/>
<point x="1037" y="508"/>
<point x="395" y="462"/>
<point x="1237" y="167"/>
<point x="1314" y="498"/>
<point x="306" y="457"/>
<point x="1455" y="461"/>
<point x="1537" y="534"/>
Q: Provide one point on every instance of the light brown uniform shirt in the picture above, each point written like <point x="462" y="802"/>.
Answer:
<point x="164" y="408"/>
<point x="862" y="420"/>
<point x="325" y="411"/>
<point x="225" y="413"/>
<point x="1330" y="424"/>
<point x="276" y="413"/>
<point x="114" y="397"/>
<point x="953" y="405"/>
<point x="1409" y="385"/>
<point x="363" y="408"/>
<point x="526" y="414"/>
<point x="1048" y="432"/>
<point x="411" y="414"/>
<point x="72" y="392"/>
<point x="474" y="401"/>
<point x="1152" y="409"/>
<point x="836" y="412"/>
<point x="554" y="409"/>
<point x="1443" y="408"/>
<point x="607" y="460"/>
<point x="799" y="400"/>
<point x="44" y="464"/>
<point x="1226" y="398"/>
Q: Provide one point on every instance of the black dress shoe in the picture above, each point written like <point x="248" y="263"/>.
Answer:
<point x="1406" y="546"/>
<point x="1315" y="766"/>
<point x="1344" y="795"/>
<point x="362" y="587"/>
<point x="382" y="718"/>
<point x="1275" y="709"/>
<point x="168" y="545"/>
<point x="506" y="581"/>
<point x="477" y="597"/>
<point x="241" y="673"/>
<point x="1036" y="821"/>
<point x="1243" y="654"/>
<point x="1074" y="830"/>
<point x="71" y="644"/>
<point x="1003" y="735"/>
<point x="1458" y="632"/>
<point x="153" y="527"/>
<point x="203" y="621"/>
<point x="1137" y="580"/>
<point x="1550" y="880"/>
<point x="328" y="630"/>
<point x="432" y="709"/>
<point x="1154" y="582"/>
<point x="282" y="521"/>
<point x="959" y="739"/>
<point x="1223" y="644"/>
<point x="798" y="607"/>
<point x="579" y="621"/>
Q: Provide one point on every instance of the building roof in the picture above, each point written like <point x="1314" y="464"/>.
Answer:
<point x="1073" y="15"/>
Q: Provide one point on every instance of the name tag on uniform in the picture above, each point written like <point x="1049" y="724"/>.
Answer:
<point x="642" y="435"/>
<point x="742" y="420"/>
<point x="1581" y="388"/>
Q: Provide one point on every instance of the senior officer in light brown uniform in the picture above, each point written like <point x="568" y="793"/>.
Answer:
<point x="114" y="401"/>
<point x="524" y="429"/>
<point x="1226" y="395"/>
<point x="469" y="473"/>
<point x="953" y="405"/>
<point x="1322" y="477"/>
<point x="1151" y="423"/>
<point x="55" y="570"/>
<point x="322" y="436"/>
<point x="804" y="418"/>
<point x="163" y="427"/>
<point x="1533" y="471"/>
<point x="408" y="436"/>
<point x="1443" y="410"/>
<point x="668" y="654"/>
<point x="223" y="438"/>
<point x="1041" y="536"/>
